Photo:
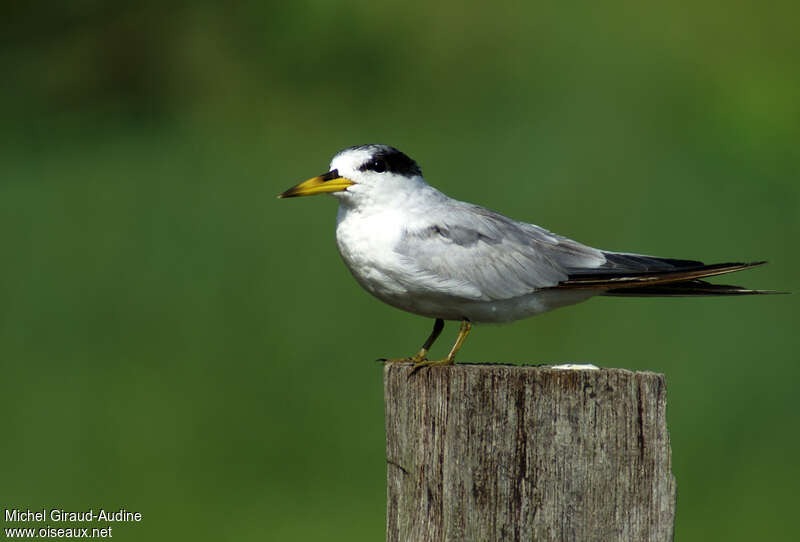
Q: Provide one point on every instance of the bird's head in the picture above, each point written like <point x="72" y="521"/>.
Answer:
<point x="366" y="171"/>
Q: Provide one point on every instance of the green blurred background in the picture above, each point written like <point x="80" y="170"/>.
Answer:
<point x="176" y="341"/>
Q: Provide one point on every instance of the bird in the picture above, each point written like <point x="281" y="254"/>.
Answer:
<point x="421" y="251"/>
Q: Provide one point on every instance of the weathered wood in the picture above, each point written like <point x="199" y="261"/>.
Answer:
<point x="496" y="452"/>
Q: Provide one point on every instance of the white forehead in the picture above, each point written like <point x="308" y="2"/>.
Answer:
<point x="351" y="159"/>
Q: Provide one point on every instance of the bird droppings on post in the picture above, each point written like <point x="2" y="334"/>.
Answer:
<point x="575" y="367"/>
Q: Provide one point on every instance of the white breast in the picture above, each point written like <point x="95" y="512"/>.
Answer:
<point x="366" y="243"/>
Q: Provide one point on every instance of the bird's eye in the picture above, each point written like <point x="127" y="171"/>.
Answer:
<point x="378" y="166"/>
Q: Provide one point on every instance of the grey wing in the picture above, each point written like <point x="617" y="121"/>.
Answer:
<point x="481" y="254"/>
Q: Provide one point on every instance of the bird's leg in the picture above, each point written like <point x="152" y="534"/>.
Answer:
<point x="466" y="326"/>
<point x="422" y="355"/>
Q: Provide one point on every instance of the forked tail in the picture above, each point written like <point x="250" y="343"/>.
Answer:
<point x="659" y="277"/>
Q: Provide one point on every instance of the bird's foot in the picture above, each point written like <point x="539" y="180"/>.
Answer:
<point x="387" y="361"/>
<point x="451" y="357"/>
<point x="449" y="360"/>
<point x="419" y="357"/>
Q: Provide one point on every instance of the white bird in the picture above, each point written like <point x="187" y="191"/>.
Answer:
<point x="415" y="248"/>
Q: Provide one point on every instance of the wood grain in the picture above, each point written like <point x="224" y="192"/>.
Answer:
<point x="497" y="452"/>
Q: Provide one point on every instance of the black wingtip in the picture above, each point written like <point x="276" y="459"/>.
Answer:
<point x="685" y="280"/>
<point x="689" y="288"/>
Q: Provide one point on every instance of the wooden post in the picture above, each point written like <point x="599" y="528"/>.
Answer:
<point x="497" y="452"/>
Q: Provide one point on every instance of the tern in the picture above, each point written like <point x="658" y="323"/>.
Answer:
<point x="419" y="250"/>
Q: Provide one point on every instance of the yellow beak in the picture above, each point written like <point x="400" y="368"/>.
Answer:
<point x="330" y="182"/>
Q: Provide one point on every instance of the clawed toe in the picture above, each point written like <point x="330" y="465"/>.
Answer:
<point x="426" y="363"/>
<point x="387" y="361"/>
